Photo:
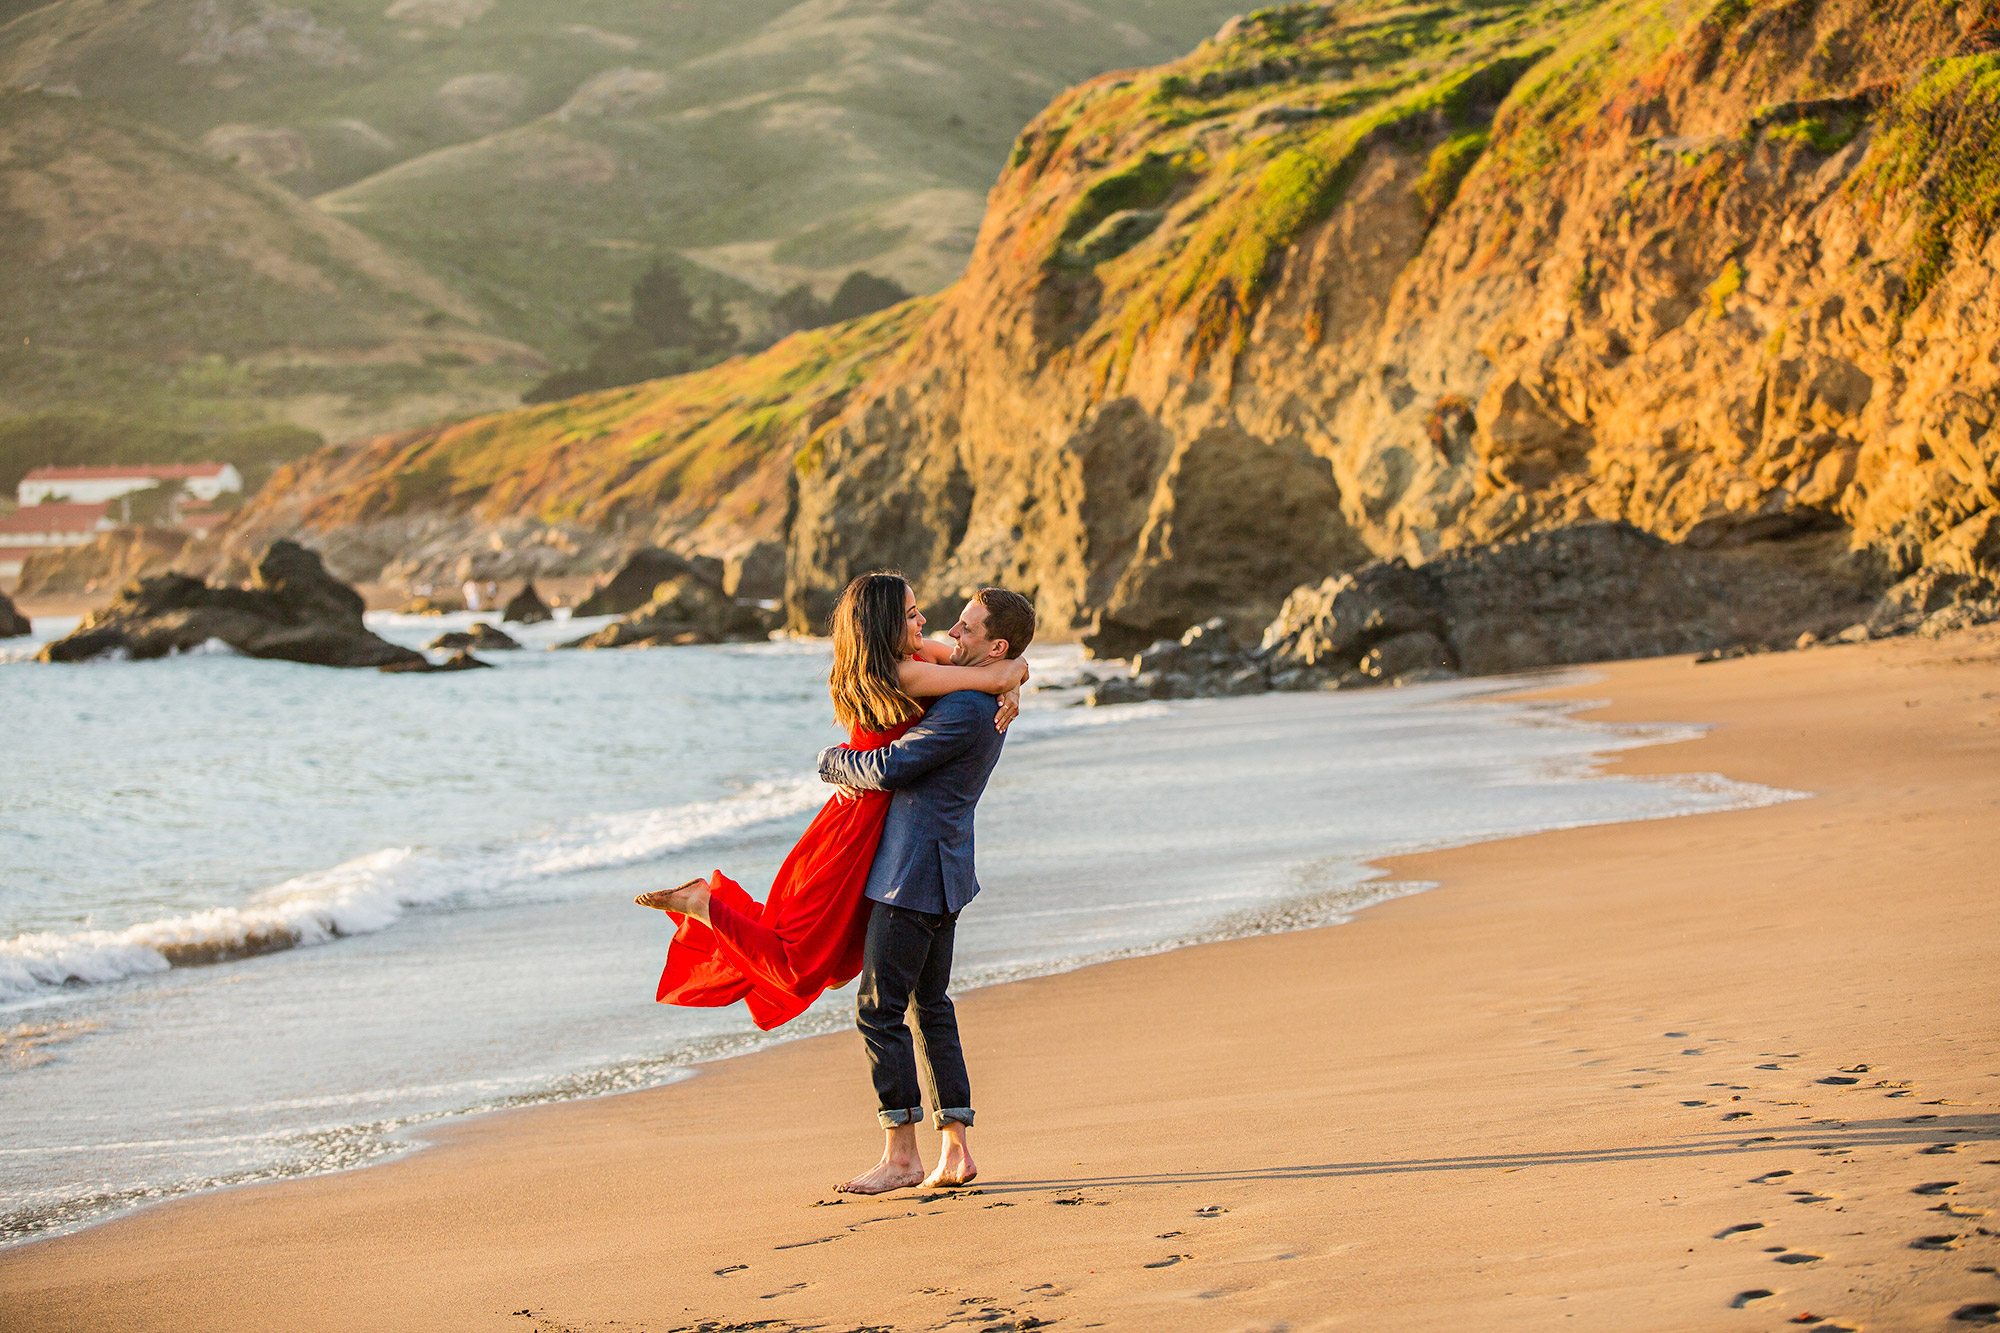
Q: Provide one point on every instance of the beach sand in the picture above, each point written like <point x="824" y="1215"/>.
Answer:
<point x="1549" y="1093"/>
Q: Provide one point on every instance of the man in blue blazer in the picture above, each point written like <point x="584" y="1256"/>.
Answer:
<point x="922" y="878"/>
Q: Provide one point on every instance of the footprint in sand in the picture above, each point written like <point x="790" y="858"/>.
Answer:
<point x="1955" y="1210"/>
<point x="1945" y="1241"/>
<point x="1210" y="1210"/>
<point x="1839" y="1080"/>
<point x="1979" y="1312"/>
<point x="1937" y="1148"/>
<point x="1744" y="1298"/>
<point x="1802" y="1196"/>
<point x="733" y="1268"/>
<point x="1738" y="1115"/>
<point x="1795" y="1257"/>
<point x="1169" y="1235"/>
<point x="1770" y="1066"/>
<point x="1170" y="1261"/>
<point x="1768" y="1177"/>
<point x="1739" y="1228"/>
<point x="1936" y="1187"/>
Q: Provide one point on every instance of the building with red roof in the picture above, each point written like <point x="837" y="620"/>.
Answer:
<point x="37" y="528"/>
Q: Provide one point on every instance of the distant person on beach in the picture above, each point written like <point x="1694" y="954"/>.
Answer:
<point x="876" y="884"/>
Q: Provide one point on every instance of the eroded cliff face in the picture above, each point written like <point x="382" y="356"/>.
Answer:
<point x="1704" y="265"/>
<point x="1346" y="282"/>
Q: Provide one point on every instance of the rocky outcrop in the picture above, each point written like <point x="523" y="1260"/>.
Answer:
<point x="632" y="586"/>
<point x="1631" y="290"/>
<point x="111" y="560"/>
<point x="12" y="623"/>
<point x="1589" y="593"/>
<point x="526" y="607"/>
<point x="685" y="608"/>
<point x="423" y="666"/>
<point x="1349" y="284"/>
<point x="482" y="636"/>
<point x="755" y="574"/>
<point x="292" y="610"/>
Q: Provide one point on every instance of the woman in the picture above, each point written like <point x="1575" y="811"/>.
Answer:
<point x="806" y="936"/>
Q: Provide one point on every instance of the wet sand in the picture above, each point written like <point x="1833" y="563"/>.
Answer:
<point x="1716" y="1072"/>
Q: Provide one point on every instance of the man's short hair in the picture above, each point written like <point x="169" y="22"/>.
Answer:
<point x="1009" y="616"/>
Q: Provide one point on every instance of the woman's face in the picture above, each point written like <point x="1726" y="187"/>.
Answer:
<point x="913" y="622"/>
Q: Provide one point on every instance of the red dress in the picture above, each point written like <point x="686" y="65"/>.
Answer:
<point x="780" y="955"/>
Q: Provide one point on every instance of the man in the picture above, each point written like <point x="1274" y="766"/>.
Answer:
<point x="921" y="879"/>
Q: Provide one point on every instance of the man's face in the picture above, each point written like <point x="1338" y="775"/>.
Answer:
<point x="971" y="646"/>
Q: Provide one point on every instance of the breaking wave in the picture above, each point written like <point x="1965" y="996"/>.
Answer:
<point x="372" y="892"/>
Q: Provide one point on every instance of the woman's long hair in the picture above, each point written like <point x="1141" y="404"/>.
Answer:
<point x="868" y="636"/>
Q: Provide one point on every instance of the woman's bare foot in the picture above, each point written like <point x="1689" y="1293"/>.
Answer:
<point x="899" y="1168"/>
<point x="689" y="899"/>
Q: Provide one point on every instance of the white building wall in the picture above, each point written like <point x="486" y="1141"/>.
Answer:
<point x="97" y="490"/>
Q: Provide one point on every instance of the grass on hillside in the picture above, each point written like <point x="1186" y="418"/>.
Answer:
<point x="1940" y="153"/>
<point x="636" y="451"/>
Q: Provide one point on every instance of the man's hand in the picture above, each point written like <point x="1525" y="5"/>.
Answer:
<point x="847" y="793"/>
<point x="1019" y="675"/>
<point x="1010" y="708"/>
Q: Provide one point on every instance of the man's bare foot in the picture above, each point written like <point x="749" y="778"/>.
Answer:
<point x="900" y="1167"/>
<point x="885" y="1176"/>
<point x="955" y="1167"/>
<point x="689" y="899"/>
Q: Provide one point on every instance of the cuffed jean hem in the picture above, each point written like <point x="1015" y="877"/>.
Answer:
<point x="947" y="1114"/>
<point x="902" y="1115"/>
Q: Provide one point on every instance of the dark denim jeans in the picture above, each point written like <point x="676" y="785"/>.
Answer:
<point x="905" y="969"/>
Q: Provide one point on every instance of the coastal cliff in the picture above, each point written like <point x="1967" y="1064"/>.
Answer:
<point x="1344" y="283"/>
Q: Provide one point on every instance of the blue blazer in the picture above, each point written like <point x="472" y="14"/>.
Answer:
<point x="937" y="770"/>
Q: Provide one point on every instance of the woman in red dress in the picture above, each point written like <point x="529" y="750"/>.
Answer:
<point x="780" y="955"/>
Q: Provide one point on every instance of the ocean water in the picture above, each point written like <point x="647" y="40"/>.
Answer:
<point x="260" y="920"/>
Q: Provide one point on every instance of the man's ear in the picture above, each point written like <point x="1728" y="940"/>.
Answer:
<point x="1001" y="646"/>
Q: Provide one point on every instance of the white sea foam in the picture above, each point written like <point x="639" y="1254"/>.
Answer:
<point x="370" y="893"/>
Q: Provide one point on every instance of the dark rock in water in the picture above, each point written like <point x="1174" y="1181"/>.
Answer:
<point x="685" y="609"/>
<point x="632" y="587"/>
<point x="430" y="606"/>
<point x="1592" y="592"/>
<point x="1343" y="618"/>
<point x="421" y="667"/>
<point x="293" y="610"/>
<point x="481" y="635"/>
<point x="12" y="623"/>
<point x="1588" y="593"/>
<point x="1203" y="662"/>
<point x="526" y="607"/>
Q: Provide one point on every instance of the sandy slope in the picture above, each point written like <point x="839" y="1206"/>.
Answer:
<point x="1533" y="1098"/>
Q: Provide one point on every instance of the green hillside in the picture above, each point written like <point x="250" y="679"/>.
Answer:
<point x="148" y="291"/>
<point x="539" y="157"/>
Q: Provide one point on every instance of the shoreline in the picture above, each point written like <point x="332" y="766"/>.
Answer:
<point x="1309" y="911"/>
<point x="1227" y="1112"/>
